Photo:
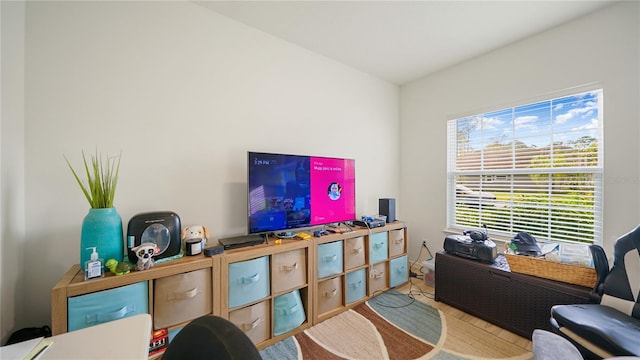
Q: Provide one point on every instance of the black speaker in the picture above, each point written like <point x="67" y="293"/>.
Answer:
<point x="387" y="207"/>
<point x="161" y="228"/>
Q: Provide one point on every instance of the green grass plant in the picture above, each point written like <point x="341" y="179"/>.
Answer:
<point x="102" y="178"/>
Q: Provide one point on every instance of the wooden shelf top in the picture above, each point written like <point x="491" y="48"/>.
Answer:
<point x="76" y="285"/>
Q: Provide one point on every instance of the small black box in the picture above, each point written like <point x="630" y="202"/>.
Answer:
<point x="369" y="224"/>
<point x="387" y="207"/>
<point x="213" y="250"/>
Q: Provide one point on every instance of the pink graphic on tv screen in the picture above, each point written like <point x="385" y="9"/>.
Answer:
<point x="333" y="188"/>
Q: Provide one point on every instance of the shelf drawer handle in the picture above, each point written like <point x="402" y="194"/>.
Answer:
<point x="398" y="241"/>
<point x="357" y="250"/>
<point x="331" y="293"/>
<point x="356" y="284"/>
<point x="378" y="274"/>
<point x="290" y="310"/>
<point x="378" y="245"/>
<point x="251" y="279"/>
<point x="251" y="325"/>
<point x="118" y="314"/>
<point x="400" y="269"/>
<point x="189" y="294"/>
<point x="287" y="268"/>
<point x="330" y="258"/>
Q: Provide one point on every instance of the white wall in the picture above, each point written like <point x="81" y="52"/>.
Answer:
<point x="602" y="47"/>
<point x="184" y="93"/>
<point x="12" y="189"/>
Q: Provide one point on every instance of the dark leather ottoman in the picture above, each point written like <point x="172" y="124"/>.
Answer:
<point x="516" y="302"/>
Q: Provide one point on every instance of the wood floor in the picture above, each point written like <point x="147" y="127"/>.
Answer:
<point x="467" y="334"/>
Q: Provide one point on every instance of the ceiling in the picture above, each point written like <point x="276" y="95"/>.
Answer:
<point x="401" y="41"/>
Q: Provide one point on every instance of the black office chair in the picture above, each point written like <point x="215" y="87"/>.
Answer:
<point x="211" y="337"/>
<point x="611" y="326"/>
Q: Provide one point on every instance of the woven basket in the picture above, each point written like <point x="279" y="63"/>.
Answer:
<point x="569" y="273"/>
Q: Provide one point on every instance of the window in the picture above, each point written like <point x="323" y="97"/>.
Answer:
<point x="535" y="167"/>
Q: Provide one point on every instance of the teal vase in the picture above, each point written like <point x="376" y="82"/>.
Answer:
<point x="102" y="228"/>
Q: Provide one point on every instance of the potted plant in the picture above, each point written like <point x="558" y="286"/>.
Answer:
<point x="102" y="226"/>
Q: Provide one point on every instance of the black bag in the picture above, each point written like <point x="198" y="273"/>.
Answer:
<point x="525" y="244"/>
<point x="25" y="334"/>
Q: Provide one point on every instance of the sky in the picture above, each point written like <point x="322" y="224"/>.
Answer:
<point x="538" y="124"/>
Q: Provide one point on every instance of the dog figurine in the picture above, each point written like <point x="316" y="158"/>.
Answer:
<point x="195" y="232"/>
<point x="145" y="252"/>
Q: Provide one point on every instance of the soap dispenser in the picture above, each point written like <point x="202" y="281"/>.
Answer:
<point x="93" y="267"/>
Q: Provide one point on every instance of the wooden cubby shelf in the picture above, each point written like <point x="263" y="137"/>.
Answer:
<point x="271" y="291"/>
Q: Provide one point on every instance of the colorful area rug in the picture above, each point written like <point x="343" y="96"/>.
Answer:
<point x="388" y="326"/>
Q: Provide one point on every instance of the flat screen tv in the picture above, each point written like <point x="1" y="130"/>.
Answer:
<point x="296" y="191"/>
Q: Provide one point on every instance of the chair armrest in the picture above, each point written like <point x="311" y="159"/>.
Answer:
<point x="601" y="265"/>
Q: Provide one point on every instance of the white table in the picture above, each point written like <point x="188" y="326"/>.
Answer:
<point x="126" y="338"/>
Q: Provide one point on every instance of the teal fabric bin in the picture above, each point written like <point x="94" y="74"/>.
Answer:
<point x="356" y="285"/>
<point x="248" y="281"/>
<point x="330" y="258"/>
<point x="107" y="305"/>
<point x="288" y="312"/>
<point x="378" y="247"/>
<point x="398" y="271"/>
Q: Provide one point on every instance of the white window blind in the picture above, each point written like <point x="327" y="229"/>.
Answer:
<point x="534" y="167"/>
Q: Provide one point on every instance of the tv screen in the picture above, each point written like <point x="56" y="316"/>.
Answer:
<point x="296" y="191"/>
